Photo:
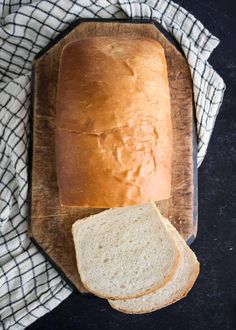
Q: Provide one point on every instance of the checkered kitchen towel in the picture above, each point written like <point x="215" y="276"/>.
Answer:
<point x="29" y="285"/>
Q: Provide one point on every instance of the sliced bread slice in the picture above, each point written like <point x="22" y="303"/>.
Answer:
<point x="174" y="290"/>
<point x="125" y="252"/>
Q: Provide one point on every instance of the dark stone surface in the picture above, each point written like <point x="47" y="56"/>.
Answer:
<point x="211" y="304"/>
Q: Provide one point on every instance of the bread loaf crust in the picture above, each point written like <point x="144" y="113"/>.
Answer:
<point x="113" y="123"/>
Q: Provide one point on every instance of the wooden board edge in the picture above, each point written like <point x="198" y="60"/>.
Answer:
<point x="107" y="20"/>
<point x="30" y="155"/>
<point x="195" y="179"/>
<point x="58" y="269"/>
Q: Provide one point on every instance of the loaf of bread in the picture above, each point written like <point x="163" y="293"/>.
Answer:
<point x="125" y="252"/>
<point x="113" y="123"/>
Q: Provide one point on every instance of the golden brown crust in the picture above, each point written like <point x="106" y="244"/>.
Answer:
<point x="113" y="123"/>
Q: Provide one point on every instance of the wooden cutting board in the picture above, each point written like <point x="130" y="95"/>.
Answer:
<point x="50" y="225"/>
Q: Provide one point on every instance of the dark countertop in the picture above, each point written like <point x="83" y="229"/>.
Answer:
<point x="211" y="304"/>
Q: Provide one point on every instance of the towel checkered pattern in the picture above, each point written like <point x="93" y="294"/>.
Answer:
<point x="29" y="285"/>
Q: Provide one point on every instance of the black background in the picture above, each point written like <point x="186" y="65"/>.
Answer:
<point x="211" y="304"/>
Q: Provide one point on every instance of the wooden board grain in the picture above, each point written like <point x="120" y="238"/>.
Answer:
<point x="50" y="223"/>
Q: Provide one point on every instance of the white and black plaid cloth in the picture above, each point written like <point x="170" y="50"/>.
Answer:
<point x="29" y="285"/>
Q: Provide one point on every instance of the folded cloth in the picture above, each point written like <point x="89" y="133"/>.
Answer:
<point x="29" y="285"/>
